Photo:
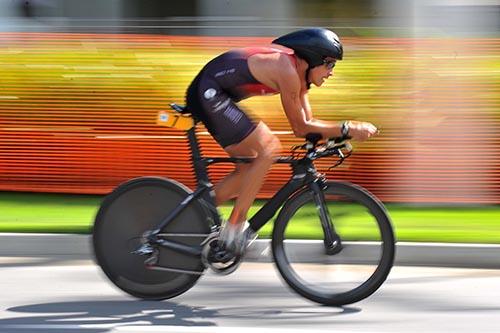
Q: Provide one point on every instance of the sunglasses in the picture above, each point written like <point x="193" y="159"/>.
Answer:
<point x="329" y="63"/>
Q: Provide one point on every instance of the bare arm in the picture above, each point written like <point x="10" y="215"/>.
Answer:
<point x="297" y="108"/>
<point x="318" y="122"/>
<point x="304" y="100"/>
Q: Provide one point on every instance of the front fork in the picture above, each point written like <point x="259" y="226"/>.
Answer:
<point x="332" y="241"/>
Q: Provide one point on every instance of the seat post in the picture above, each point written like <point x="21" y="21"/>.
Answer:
<point x="199" y="164"/>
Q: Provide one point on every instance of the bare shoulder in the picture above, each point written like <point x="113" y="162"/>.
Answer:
<point x="285" y="65"/>
<point x="273" y="69"/>
<point x="286" y="73"/>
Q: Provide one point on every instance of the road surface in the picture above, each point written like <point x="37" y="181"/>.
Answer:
<point x="50" y="294"/>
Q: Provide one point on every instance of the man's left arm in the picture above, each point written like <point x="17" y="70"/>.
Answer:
<point x="304" y="100"/>
<point x="357" y="129"/>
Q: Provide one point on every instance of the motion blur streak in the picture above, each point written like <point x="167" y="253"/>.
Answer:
<point x="68" y="103"/>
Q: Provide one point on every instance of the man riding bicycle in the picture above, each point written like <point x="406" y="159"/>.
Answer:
<point x="287" y="67"/>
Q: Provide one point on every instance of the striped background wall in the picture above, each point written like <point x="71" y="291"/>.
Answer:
<point x="77" y="113"/>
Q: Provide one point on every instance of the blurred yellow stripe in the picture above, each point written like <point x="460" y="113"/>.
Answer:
<point x="78" y="111"/>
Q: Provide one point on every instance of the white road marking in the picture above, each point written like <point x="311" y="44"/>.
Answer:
<point x="145" y="326"/>
<point x="215" y="329"/>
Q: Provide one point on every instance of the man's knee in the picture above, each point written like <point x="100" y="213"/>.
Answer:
<point x="271" y="148"/>
<point x="242" y="167"/>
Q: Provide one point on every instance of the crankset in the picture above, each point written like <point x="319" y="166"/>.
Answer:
<point x="217" y="258"/>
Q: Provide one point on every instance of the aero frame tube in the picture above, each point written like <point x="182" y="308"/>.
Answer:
<point x="195" y="195"/>
<point x="269" y="209"/>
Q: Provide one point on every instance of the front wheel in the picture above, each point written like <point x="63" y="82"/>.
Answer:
<point x="353" y="271"/>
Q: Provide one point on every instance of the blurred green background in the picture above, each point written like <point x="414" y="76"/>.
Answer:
<point x="63" y="213"/>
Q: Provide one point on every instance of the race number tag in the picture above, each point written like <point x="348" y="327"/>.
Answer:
<point x="175" y="120"/>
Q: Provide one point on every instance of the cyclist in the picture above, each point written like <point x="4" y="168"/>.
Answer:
<point x="287" y="67"/>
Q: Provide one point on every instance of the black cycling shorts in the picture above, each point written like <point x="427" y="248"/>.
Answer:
<point x="225" y="121"/>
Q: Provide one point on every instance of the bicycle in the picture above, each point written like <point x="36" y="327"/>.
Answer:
<point x="154" y="238"/>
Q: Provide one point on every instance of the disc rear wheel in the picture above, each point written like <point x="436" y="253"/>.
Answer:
<point x="126" y="214"/>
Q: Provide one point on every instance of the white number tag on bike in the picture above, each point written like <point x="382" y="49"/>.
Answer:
<point x="175" y="120"/>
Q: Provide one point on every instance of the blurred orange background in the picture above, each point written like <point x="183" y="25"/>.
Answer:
<point x="78" y="113"/>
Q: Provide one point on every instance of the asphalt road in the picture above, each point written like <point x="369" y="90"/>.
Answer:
<point x="56" y="295"/>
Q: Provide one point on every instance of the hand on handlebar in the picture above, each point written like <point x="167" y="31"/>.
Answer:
<point x="360" y="130"/>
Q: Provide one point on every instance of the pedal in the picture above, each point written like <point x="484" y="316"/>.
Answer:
<point x="221" y="256"/>
<point x="217" y="258"/>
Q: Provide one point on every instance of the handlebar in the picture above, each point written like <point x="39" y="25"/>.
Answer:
<point x="312" y="143"/>
<point x="339" y="146"/>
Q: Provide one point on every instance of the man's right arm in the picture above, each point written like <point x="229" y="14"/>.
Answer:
<point x="301" y="119"/>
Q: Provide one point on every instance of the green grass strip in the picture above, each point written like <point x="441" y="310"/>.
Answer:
<point x="59" y="213"/>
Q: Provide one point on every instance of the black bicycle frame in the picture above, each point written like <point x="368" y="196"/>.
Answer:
<point x="304" y="175"/>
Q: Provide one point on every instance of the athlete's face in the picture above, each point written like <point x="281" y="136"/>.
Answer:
<point x="319" y="74"/>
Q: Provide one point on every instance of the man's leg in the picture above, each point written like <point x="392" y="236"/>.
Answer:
<point x="249" y="181"/>
<point x="229" y="187"/>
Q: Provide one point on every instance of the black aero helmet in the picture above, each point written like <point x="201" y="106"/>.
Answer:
<point x="313" y="45"/>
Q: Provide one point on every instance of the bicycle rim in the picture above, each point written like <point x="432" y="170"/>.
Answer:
<point x="367" y="246"/>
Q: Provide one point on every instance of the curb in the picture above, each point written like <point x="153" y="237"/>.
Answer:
<point x="486" y="256"/>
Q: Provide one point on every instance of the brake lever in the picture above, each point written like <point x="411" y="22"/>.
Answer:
<point x="340" y="160"/>
<point x="338" y="144"/>
<point x="341" y="142"/>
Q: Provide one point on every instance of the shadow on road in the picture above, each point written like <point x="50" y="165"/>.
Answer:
<point x="103" y="316"/>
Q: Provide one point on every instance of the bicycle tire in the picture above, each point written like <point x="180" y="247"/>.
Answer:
<point x="125" y="214"/>
<point x="387" y="248"/>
